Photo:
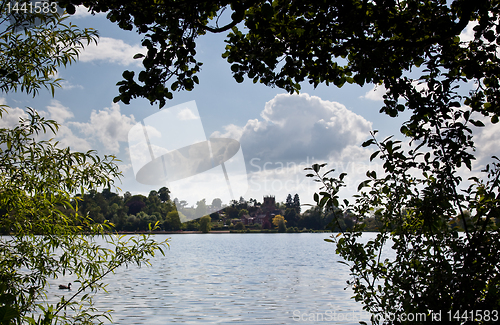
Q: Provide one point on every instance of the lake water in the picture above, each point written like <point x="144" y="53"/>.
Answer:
<point x="235" y="278"/>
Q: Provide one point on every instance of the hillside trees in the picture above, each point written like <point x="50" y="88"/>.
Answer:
<point x="242" y="213"/>
<point x="172" y="221"/>
<point x="129" y="213"/>
<point x="164" y="194"/>
<point x="38" y="182"/>
<point x="291" y="217"/>
<point x="217" y="203"/>
<point x="205" y="224"/>
<point x="296" y="203"/>
<point x="289" y="201"/>
<point x="279" y="222"/>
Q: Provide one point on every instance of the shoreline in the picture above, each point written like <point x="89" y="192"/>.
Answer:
<point x="163" y="232"/>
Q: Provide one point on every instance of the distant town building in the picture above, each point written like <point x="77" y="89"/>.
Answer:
<point x="267" y="211"/>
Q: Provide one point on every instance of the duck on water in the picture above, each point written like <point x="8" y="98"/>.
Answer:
<point x="62" y="286"/>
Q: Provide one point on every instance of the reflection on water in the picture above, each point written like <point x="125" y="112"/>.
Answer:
<point x="235" y="278"/>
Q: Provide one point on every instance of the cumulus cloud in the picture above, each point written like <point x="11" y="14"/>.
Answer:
<point x="296" y="126"/>
<point x="112" y="50"/>
<point x="294" y="132"/>
<point x="10" y="118"/>
<point x="67" y="138"/>
<point x="378" y="91"/>
<point x="108" y="126"/>
<point x="59" y="112"/>
<point x="125" y="167"/>
<point x="55" y="111"/>
<point x="65" y="135"/>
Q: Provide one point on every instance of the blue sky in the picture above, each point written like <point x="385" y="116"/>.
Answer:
<point x="280" y="134"/>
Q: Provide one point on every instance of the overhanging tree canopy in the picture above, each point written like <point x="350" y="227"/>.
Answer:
<point x="283" y="43"/>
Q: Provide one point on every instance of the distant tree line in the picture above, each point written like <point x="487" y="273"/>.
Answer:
<point x="131" y="212"/>
<point x="135" y="213"/>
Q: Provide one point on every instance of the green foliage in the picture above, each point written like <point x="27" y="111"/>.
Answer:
<point x="291" y="217"/>
<point x="136" y="203"/>
<point x="130" y="212"/>
<point x="289" y="201"/>
<point x="231" y="212"/>
<point x="31" y="56"/>
<point x="312" y="219"/>
<point x="173" y="221"/>
<point x="276" y="220"/>
<point x="283" y="43"/>
<point x="201" y="208"/>
<point x="37" y="180"/>
<point x="191" y="225"/>
<point x="436" y="268"/>
<point x="282" y="225"/>
<point x="239" y="226"/>
<point x="217" y="203"/>
<point x="296" y="203"/>
<point x="46" y="234"/>
<point x="205" y="224"/>
<point x="242" y="213"/>
<point x="164" y="194"/>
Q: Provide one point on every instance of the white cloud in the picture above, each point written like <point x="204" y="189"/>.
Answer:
<point x="112" y="50"/>
<point x="59" y="112"/>
<point x="55" y="111"/>
<point x="421" y="86"/>
<point x="296" y="126"/>
<point x="125" y="167"/>
<point x="467" y="34"/>
<point x="486" y="140"/>
<point x="67" y="138"/>
<point x="296" y="131"/>
<point x="82" y="12"/>
<point x="232" y="131"/>
<point x="10" y="118"/>
<point x="186" y="114"/>
<point x="376" y="93"/>
<point x="108" y="126"/>
<point x="66" y="85"/>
